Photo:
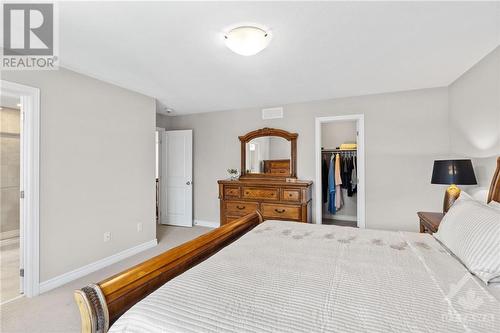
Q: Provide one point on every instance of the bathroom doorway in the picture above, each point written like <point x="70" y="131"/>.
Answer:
<point x="19" y="185"/>
<point x="11" y="285"/>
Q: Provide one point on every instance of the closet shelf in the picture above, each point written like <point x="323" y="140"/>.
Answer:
<point x="339" y="150"/>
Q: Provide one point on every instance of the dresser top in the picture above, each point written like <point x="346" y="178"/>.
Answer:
<point x="274" y="182"/>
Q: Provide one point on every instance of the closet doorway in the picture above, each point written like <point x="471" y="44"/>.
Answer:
<point x="340" y="171"/>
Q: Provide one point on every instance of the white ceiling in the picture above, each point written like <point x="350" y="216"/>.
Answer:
<point x="175" y="52"/>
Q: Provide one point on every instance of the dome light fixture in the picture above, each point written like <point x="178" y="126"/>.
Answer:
<point x="247" y="40"/>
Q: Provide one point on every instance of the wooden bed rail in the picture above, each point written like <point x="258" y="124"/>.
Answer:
<point x="103" y="303"/>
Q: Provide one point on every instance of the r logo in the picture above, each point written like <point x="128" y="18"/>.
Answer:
<point x="28" y="29"/>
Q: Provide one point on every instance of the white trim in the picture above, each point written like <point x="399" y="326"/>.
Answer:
<point x="90" y="268"/>
<point x="9" y="234"/>
<point x="360" y="119"/>
<point x="208" y="224"/>
<point x="30" y="159"/>
<point x="161" y="137"/>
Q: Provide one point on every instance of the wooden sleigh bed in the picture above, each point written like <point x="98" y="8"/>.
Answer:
<point x="103" y="303"/>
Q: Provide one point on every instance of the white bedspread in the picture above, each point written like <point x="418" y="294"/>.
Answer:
<point x="293" y="277"/>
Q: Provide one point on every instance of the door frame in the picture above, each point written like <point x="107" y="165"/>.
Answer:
<point x="30" y="184"/>
<point x="161" y="162"/>
<point x="360" y="121"/>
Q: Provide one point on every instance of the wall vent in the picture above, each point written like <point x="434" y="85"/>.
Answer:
<point x="272" y="113"/>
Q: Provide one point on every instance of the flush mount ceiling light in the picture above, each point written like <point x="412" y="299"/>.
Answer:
<point x="247" y="40"/>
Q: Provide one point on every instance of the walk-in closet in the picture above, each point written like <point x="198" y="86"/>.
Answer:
<point x="339" y="173"/>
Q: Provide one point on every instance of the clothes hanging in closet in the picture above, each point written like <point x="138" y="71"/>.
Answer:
<point x="354" y="175"/>
<point x="339" y="202"/>
<point x="348" y="174"/>
<point x="324" y="179"/>
<point x="338" y="172"/>
<point x="331" y="186"/>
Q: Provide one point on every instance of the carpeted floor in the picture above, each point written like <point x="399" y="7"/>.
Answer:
<point x="56" y="311"/>
<point x="353" y="224"/>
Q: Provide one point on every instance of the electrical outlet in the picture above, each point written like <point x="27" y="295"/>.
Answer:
<point x="107" y="236"/>
<point x="139" y="227"/>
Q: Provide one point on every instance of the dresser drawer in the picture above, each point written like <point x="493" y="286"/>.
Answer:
<point x="291" y="195"/>
<point x="281" y="211"/>
<point x="260" y="193"/>
<point x="231" y="192"/>
<point x="277" y="166"/>
<point x="280" y="171"/>
<point x="240" y="208"/>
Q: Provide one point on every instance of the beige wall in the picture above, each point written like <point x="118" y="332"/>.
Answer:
<point x="336" y="133"/>
<point x="475" y="117"/>
<point x="96" y="168"/>
<point x="405" y="132"/>
<point x="162" y="120"/>
<point x="9" y="172"/>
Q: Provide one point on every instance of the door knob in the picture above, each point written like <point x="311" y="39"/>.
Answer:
<point x="188" y="183"/>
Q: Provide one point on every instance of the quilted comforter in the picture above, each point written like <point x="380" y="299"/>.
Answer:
<point x="293" y="277"/>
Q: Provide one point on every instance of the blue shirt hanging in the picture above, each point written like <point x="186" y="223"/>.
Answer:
<point x="331" y="186"/>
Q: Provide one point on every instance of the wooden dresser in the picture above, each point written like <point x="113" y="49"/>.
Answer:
<point x="277" y="166"/>
<point x="275" y="192"/>
<point x="276" y="199"/>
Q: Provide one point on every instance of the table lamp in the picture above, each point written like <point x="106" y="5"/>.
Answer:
<point x="453" y="173"/>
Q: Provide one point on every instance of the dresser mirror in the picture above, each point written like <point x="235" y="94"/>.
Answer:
<point x="268" y="153"/>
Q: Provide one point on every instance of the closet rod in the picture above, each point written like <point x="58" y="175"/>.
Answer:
<point x="339" y="150"/>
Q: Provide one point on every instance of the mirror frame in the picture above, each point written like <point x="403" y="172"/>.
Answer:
<point x="266" y="131"/>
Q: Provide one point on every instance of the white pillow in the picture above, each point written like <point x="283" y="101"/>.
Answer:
<point x="465" y="196"/>
<point x="471" y="230"/>
<point x="495" y="205"/>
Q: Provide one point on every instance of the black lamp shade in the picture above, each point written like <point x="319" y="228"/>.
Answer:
<point x="458" y="172"/>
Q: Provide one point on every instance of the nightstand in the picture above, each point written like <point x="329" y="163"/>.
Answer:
<point x="429" y="221"/>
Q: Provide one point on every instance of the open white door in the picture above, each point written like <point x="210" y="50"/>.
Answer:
<point x="177" y="171"/>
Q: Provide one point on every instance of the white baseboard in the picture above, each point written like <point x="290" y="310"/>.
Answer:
<point x="90" y="268"/>
<point x="9" y="234"/>
<point x="341" y="217"/>
<point x="208" y="224"/>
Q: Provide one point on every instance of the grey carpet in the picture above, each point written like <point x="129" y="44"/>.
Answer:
<point x="56" y="311"/>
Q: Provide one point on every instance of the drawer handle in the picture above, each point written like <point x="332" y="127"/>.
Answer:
<point x="290" y="194"/>
<point x="240" y="207"/>
<point x="279" y="210"/>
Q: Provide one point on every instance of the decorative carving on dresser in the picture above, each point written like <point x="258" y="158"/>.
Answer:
<point x="268" y="180"/>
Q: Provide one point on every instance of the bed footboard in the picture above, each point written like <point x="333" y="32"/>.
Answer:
<point x="103" y="303"/>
